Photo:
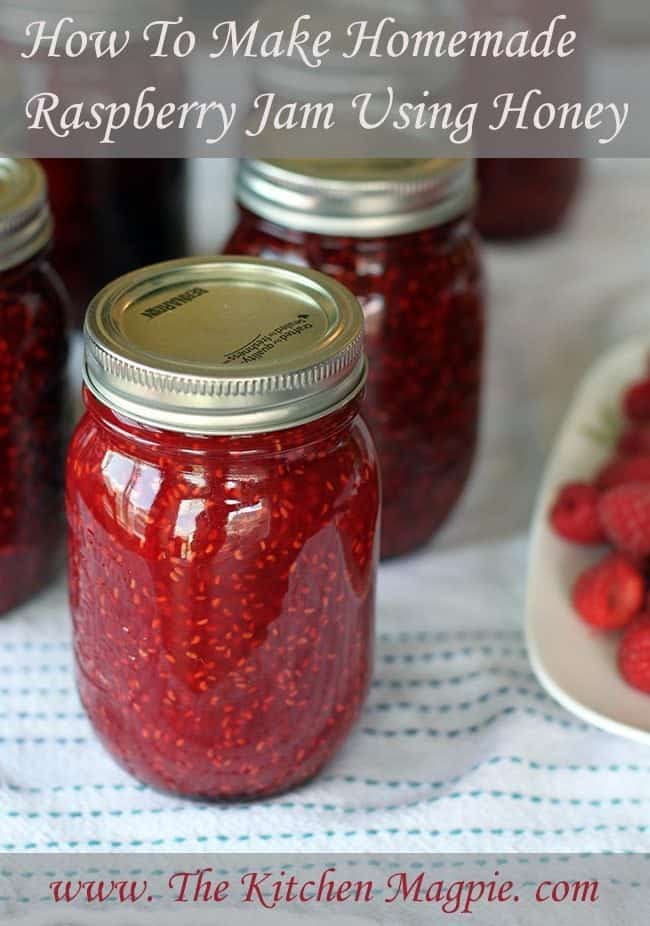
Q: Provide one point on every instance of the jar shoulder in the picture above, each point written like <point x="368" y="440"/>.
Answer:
<point x="136" y="489"/>
<point x="451" y="251"/>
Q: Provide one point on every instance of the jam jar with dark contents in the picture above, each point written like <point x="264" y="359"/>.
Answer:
<point x="526" y="197"/>
<point x="33" y="353"/>
<point x="76" y="248"/>
<point x="223" y="505"/>
<point x="113" y="216"/>
<point x="399" y="234"/>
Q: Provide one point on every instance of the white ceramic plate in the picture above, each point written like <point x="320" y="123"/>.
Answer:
<point x="575" y="664"/>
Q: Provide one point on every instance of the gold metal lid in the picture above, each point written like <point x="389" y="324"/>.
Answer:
<point x="363" y="198"/>
<point x="25" y="218"/>
<point x="224" y="345"/>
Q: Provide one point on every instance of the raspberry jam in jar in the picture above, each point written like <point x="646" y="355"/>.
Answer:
<point x="525" y="197"/>
<point x="399" y="235"/>
<point x="223" y="504"/>
<point x="33" y="353"/>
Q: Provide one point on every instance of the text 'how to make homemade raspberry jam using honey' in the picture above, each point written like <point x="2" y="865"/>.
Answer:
<point x="223" y="504"/>
<point x="33" y="354"/>
<point x="399" y="234"/>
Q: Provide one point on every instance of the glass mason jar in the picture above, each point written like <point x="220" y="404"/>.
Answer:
<point x="525" y="197"/>
<point x="33" y="353"/>
<point x="400" y="236"/>
<point x="223" y="504"/>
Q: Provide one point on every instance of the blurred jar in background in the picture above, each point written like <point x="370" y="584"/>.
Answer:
<point x="399" y="234"/>
<point x="76" y="251"/>
<point x="33" y="353"/>
<point x="525" y="197"/>
<point x="111" y="215"/>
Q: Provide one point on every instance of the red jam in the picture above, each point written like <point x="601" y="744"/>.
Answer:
<point x="222" y="594"/>
<point x="423" y="303"/>
<point x="33" y="351"/>
<point x="526" y="197"/>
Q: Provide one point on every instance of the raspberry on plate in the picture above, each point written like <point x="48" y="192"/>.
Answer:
<point x="625" y="516"/>
<point x="635" y="440"/>
<point x="622" y="470"/>
<point x="636" y="402"/>
<point x="574" y="515"/>
<point x="634" y="654"/>
<point x="610" y="594"/>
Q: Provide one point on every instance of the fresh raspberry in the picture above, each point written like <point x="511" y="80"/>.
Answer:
<point x="625" y="516"/>
<point x="574" y="515"/>
<point x="636" y="401"/>
<point x="610" y="594"/>
<point x="634" y="654"/>
<point x="623" y="470"/>
<point x="635" y="440"/>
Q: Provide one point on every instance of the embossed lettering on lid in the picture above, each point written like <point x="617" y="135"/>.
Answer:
<point x="224" y="345"/>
